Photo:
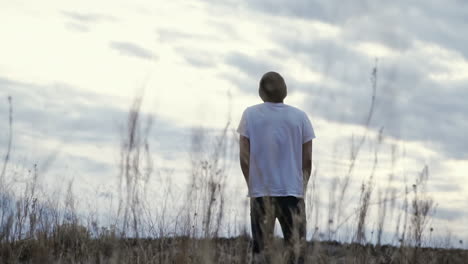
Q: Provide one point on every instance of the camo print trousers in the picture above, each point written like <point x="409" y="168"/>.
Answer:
<point x="290" y="212"/>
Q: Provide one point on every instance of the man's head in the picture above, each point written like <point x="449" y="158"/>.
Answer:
<point x="272" y="88"/>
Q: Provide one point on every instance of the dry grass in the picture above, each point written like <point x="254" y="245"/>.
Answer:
<point x="37" y="228"/>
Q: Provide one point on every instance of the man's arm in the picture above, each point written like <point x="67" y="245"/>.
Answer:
<point x="306" y="161"/>
<point x="244" y="156"/>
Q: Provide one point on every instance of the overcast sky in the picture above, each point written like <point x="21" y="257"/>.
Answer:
<point x="73" y="67"/>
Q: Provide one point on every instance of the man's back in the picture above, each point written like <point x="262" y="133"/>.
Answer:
<point x="275" y="154"/>
<point x="276" y="132"/>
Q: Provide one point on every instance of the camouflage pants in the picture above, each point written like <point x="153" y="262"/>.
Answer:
<point x="290" y="212"/>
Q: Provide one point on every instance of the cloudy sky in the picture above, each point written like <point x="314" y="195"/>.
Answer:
<point x="73" y="67"/>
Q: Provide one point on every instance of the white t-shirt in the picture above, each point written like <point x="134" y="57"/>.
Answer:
<point x="276" y="132"/>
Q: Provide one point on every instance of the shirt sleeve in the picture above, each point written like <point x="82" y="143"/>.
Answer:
<point x="243" y="127"/>
<point x="308" y="132"/>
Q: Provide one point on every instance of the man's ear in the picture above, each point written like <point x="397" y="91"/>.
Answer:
<point x="262" y="94"/>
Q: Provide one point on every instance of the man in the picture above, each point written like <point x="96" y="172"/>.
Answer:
<point x="276" y="159"/>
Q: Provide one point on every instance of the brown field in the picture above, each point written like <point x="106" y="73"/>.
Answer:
<point x="36" y="228"/>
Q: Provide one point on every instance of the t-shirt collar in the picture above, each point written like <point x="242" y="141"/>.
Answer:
<point x="271" y="103"/>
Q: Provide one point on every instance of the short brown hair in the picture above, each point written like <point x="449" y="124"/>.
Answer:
<point x="272" y="87"/>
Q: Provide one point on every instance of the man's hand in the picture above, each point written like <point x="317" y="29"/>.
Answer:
<point x="244" y="156"/>
<point x="306" y="162"/>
